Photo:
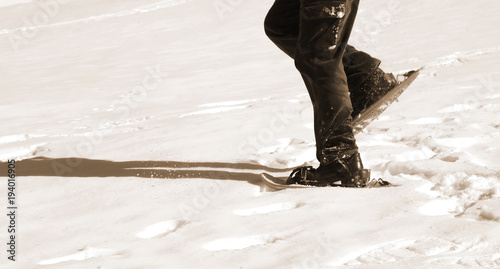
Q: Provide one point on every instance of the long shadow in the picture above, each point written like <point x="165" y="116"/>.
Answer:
<point x="81" y="167"/>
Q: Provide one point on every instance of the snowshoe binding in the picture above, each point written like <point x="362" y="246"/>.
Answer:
<point x="346" y="173"/>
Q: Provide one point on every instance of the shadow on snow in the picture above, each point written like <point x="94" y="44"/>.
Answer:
<point x="81" y="167"/>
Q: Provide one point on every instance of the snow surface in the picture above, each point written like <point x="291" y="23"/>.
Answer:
<point x="157" y="117"/>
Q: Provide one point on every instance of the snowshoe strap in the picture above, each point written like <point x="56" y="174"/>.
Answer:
<point x="374" y="183"/>
<point x="302" y="171"/>
<point x="358" y="179"/>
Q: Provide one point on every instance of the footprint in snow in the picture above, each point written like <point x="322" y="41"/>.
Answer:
<point x="376" y="254"/>
<point x="434" y="250"/>
<point x="239" y="243"/>
<point x="83" y="254"/>
<point x="215" y="108"/>
<point x="426" y="121"/>
<point x="440" y="207"/>
<point x="267" y="209"/>
<point x="160" y="229"/>
<point x="288" y="152"/>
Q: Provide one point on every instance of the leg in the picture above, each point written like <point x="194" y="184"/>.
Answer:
<point x="315" y="33"/>
<point x="325" y="27"/>
<point x="358" y="66"/>
<point x="282" y="27"/>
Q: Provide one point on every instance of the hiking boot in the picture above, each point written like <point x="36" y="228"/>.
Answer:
<point x="371" y="90"/>
<point x="349" y="172"/>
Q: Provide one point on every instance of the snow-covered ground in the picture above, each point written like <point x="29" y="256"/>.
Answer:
<point x="140" y="128"/>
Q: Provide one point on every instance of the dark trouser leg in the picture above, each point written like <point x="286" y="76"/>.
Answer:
<point x="282" y="27"/>
<point x="324" y="30"/>
<point x="358" y="66"/>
